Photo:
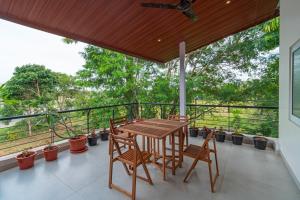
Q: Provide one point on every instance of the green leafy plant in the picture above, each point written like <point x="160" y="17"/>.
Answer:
<point x="56" y="121"/>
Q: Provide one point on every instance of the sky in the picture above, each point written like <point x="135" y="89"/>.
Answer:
<point x="20" y="45"/>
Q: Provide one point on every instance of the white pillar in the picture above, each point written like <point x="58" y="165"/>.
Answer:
<point x="182" y="91"/>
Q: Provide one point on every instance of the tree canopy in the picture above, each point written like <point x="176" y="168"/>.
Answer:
<point x="217" y="71"/>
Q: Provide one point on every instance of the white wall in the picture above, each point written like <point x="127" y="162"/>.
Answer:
<point x="289" y="133"/>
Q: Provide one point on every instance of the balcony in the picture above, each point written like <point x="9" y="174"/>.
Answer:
<point x="245" y="173"/>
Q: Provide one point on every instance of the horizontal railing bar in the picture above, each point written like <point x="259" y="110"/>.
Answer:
<point x="211" y="105"/>
<point x="64" y="111"/>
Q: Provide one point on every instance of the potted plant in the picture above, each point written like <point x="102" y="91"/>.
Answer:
<point x="260" y="142"/>
<point x="201" y="132"/>
<point x="193" y="130"/>
<point x="205" y="133"/>
<point x="26" y="159"/>
<point x="51" y="150"/>
<point x="77" y="140"/>
<point x="104" y="134"/>
<point x="92" y="138"/>
<point x="78" y="143"/>
<point x="237" y="137"/>
<point x="220" y="135"/>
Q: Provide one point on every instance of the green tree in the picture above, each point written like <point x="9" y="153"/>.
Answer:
<point x="119" y="76"/>
<point x="28" y="91"/>
<point x="65" y="91"/>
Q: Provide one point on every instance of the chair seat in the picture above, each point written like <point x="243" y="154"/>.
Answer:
<point x="128" y="156"/>
<point x="193" y="151"/>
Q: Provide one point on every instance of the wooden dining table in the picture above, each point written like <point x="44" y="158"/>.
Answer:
<point x="158" y="130"/>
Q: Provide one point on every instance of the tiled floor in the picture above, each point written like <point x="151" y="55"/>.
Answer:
<point x="246" y="174"/>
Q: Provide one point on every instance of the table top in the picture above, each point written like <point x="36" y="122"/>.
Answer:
<point x="156" y="128"/>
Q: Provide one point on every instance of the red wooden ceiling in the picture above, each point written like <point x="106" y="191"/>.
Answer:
<point x="125" y="26"/>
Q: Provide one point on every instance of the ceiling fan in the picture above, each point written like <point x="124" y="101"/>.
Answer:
<point x="184" y="6"/>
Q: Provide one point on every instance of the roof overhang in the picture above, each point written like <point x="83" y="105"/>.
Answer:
<point x="125" y="26"/>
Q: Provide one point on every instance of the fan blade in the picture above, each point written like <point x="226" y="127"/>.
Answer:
<point x="190" y="14"/>
<point x="159" y="5"/>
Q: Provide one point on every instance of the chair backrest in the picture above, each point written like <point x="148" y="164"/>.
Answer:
<point x="115" y="123"/>
<point x="119" y="139"/>
<point x="178" y="118"/>
<point x="205" y="144"/>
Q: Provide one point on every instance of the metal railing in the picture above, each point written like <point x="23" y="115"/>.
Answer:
<point x="26" y="131"/>
<point x="246" y="119"/>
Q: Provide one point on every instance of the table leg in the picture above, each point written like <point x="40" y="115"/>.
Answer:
<point x="164" y="158"/>
<point x="187" y="135"/>
<point x="148" y="145"/>
<point x="173" y="153"/>
<point x="158" y="147"/>
<point x="154" y="151"/>
<point x="143" y="143"/>
<point x="180" y="147"/>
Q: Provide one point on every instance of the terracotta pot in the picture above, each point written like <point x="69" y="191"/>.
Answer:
<point x="78" y="144"/>
<point x="26" y="162"/>
<point x="50" y="153"/>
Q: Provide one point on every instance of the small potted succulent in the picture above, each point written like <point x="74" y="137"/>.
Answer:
<point x="92" y="138"/>
<point x="26" y="159"/>
<point x="260" y="142"/>
<point x="193" y="130"/>
<point x="51" y="150"/>
<point x="237" y="137"/>
<point x="205" y="133"/>
<point x="104" y="134"/>
<point x="220" y="135"/>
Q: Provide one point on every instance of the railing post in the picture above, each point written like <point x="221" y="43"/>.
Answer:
<point x="161" y="112"/>
<point x="113" y="113"/>
<point x="228" y="118"/>
<point x="88" y="121"/>
<point x="195" y="115"/>
<point x="141" y="110"/>
<point x="131" y="112"/>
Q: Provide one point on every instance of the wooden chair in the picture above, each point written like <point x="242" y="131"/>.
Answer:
<point x="185" y="131"/>
<point x="114" y="124"/>
<point x="132" y="158"/>
<point x="202" y="153"/>
<point x="117" y="122"/>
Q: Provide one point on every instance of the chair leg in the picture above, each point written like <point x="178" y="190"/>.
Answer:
<point x="190" y="170"/>
<point x="187" y="136"/>
<point x="110" y="173"/>
<point x="210" y="177"/>
<point x="133" y="194"/>
<point x="147" y="173"/>
<point x="217" y="165"/>
<point x="216" y="159"/>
